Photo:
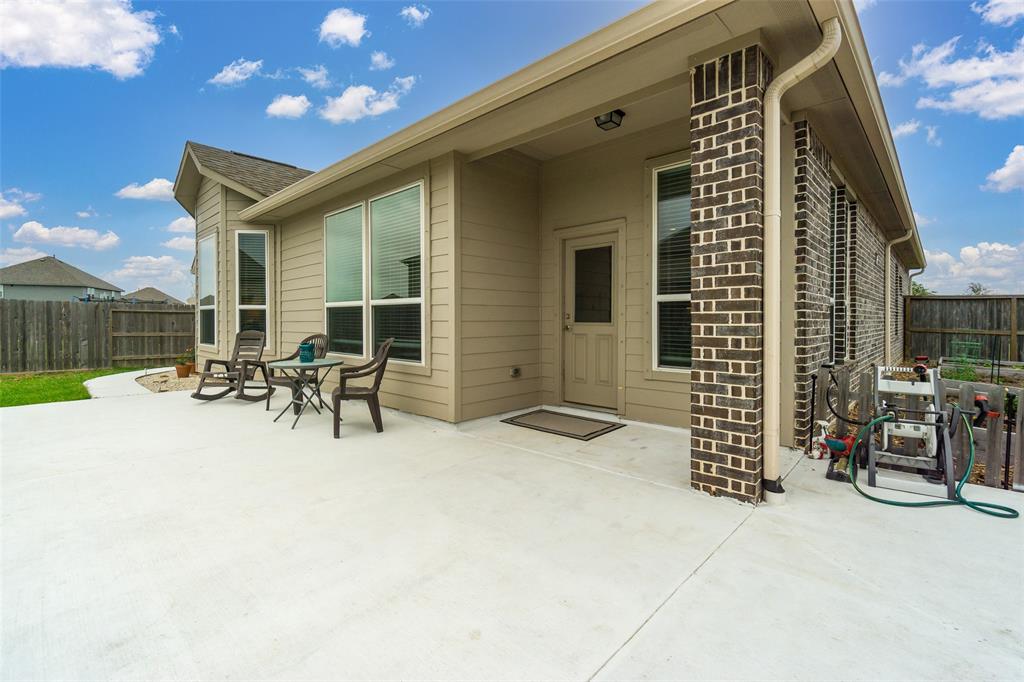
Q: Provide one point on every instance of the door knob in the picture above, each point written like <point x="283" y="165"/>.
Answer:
<point x="568" y="327"/>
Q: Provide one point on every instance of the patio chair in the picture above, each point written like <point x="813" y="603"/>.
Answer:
<point x="345" y="391"/>
<point x="235" y="373"/>
<point x="319" y="342"/>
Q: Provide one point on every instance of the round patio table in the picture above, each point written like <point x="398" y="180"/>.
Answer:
<point x="306" y="378"/>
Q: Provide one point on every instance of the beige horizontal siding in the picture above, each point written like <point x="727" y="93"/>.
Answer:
<point x="500" y="268"/>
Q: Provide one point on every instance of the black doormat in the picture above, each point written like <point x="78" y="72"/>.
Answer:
<point x="561" y="424"/>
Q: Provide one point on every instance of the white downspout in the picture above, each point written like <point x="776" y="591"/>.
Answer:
<point x="772" y="305"/>
<point x="887" y="316"/>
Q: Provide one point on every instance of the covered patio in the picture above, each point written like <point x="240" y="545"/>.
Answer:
<point x="153" y="537"/>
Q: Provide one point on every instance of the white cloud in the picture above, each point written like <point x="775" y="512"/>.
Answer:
<point x="148" y="271"/>
<point x="342" y="26"/>
<point x="185" y="224"/>
<point x="994" y="264"/>
<point x="990" y="83"/>
<point x="932" y="136"/>
<point x="12" y="202"/>
<point x="89" y="212"/>
<point x="157" y="189"/>
<point x="180" y="243"/>
<point x="380" y="61"/>
<point x="415" y="15"/>
<point x="1011" y="175"/>
<point x="101" y="34"/>
<point x="360" y="101"/>
<point x="906" y="128"/>
<point x="10" y="209"/>
<point x="922" y="220"/>
<point x="36" y="232"/>
<point x="315" y="76"/>
<point x="10" y="256"/>
<point x="288" y="106"/>
<point x="999" y="12"/>
<point x="237" y="72"/>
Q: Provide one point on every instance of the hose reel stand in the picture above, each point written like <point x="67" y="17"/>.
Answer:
<point x="916" y="405"/>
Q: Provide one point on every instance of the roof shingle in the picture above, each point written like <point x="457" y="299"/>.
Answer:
<point x="263" y="176"/>
<point x="50" y="271"/>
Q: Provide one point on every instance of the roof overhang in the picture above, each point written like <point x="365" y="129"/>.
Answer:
<point x="634" y="59"/>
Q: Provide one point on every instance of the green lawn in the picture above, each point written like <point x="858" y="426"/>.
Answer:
<point x="50" y="387"/>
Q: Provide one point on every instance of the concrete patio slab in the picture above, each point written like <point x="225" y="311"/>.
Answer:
<point x="120" y="385"/>
<point x="157" y="537"/>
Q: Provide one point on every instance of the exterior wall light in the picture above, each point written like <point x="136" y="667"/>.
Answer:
<point x="611" y="120"/>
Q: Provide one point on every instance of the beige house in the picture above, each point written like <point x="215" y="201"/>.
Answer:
<point x="636" y="223"/>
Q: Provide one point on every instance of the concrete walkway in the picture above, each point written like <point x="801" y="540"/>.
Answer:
<point x="156" y="537"/>
<point x="122" y="384"/>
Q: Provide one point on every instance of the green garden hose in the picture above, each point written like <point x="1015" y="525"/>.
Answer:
<point x="989" y="508"/>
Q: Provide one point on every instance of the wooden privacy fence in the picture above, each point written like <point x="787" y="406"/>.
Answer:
<point x="39" y="336"/>
<point x="933" y="323"/>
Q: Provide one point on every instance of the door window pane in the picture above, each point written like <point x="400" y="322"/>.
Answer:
<point x="403" y="323"/>
<point x="252" y="269"/>
<point x="252" y="320"/>
<point x="674" y="345"/>
<point x="344" y="254"/>
<point x="395" y="245"/>
<point x="593" y="285"/>
<point x="673" y="221"/>
<point x="345" y="330"/>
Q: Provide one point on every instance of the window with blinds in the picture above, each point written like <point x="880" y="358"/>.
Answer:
<point x="374" y="278"/>
<point x="207" y="253"/>
<point x="396" y="296"/>
<point x="671" y="306"/>
<point x="343" y="253"/>
<point x="251" y="269"/>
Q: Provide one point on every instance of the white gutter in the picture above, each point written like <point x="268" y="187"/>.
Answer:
<point x="887" y="315"/>
<point x="773" y="490"/>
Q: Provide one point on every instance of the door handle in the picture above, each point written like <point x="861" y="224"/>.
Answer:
<point x="568" y="327"/>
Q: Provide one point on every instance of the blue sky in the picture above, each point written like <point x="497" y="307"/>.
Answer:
<point x="90" y="136"/>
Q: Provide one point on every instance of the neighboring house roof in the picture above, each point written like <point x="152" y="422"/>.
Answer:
<point x="152" y="295"/>
<point x="253" y="176"/>
<point x="49" y="271"/>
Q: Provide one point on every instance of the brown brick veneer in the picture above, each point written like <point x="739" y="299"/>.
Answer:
<point x="727" y="149"/>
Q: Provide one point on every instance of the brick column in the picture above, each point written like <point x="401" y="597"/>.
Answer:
<point x="815" y="197"/>
<point x="727" y="148"/>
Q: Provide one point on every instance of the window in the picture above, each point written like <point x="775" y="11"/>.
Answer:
<point x="374" y="276"/>
<point x="671" y="280"/>
<point x="343" y="262"/>
<point x="396" y="289"/>
<point x="251" y="276"/>
<point x="207" y="291"/>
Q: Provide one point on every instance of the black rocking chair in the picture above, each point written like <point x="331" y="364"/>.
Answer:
<point x="235" y="373"/>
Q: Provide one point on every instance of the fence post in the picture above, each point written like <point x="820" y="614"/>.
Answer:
<point x="1014" y="339"/>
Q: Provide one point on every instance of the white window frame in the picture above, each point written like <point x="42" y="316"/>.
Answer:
<point x="657" y="298"/>
<point x="364" y="244"/>
<point x="367" y="302"/>
<point x="199" y="306"/>
<point x="266" y="285"/>
<point x="368" y="290"/>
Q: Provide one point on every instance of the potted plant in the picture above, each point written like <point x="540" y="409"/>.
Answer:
<point x="185" y="363"/>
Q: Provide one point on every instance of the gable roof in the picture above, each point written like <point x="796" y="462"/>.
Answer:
<point x="251" y="175"/>
<point x="53" y="272"/>
<point x="152" y="295"/>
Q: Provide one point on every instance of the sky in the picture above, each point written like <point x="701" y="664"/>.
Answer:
<point x="98" y="98"/>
